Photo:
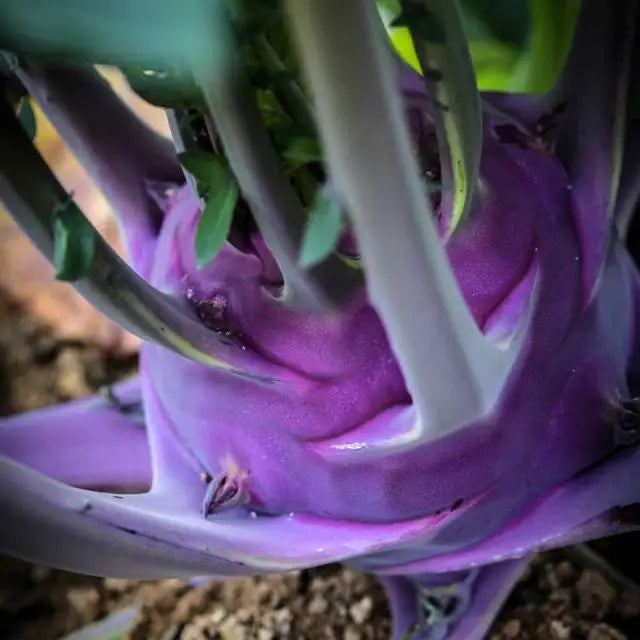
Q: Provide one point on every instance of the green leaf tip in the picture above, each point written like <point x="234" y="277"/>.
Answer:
<point x="202" y="166"/>
<point x="74" y="242"/>
<point x="323" y="231"/>
<point x="215" y="223"/>
<point x="217" y="185"/>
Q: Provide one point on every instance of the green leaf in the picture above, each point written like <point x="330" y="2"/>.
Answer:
<point x="216" y="182"/>
<point x="302" y="150"/>
<point x="518" y="46"/>
<point x="203" y="166"/>
<point x="550" y="38"/>
<point x="322" y="232"/>
<point x="200" y="164"/>
<point x="27" y="118"/>
<point x="215" y="221"/>
<point x="74" y="243"/>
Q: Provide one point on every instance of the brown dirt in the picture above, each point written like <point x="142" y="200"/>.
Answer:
<point x="325" y="604"/>
<point x="38" y="369"/>
<point x="559" y="598"/>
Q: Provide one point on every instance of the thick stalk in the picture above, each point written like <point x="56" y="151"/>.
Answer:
<point x="32" y="195"/>
<point x="453" y="374"/>
<point x="119" y="151"/>
<point x="258" y="169"/>
<point x="154" y="535"/>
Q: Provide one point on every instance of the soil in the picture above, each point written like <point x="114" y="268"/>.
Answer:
<point x="563" y="594"/>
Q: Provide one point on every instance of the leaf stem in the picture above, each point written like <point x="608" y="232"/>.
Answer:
<point x="450" y="81"/>
<point x="257" y="167"/>
<point x="32" y="195"/>
<point x="120" y="152"/>
<point x="453" y="374"/>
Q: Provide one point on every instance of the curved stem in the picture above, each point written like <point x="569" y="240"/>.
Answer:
<point x="490" y="589"/>
<point x="175" y="467"/>
<point x="154" y="535"/>
<point x="257" y="167"/>
<point x="66" y="528"/>
<point x="120" y="152"/>
<point x="87" y="443"/>
<point x="453" y="374"/>
<point x="591" y="134"/>
<point x="437" y="606"/>
<point x="401" y="594"/>
<point x="33" y="196"/>
<point x="451" y="82"/>
<point x="590" y="505"/>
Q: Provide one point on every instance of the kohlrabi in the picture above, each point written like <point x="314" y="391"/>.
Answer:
<point x="390" y="321"/>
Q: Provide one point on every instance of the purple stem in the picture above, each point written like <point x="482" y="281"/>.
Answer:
<point x="402" y="597"/>
<point x="592" y="504"/>
<point x="477" y="599"/>
<point x="523" y="110"/>
<point x="162" y="533"/>
<point x="120" y="152"/>
<point x="452" y="381"/>
<point x="490" y="589"/>
<point x="591" y="135"/>
<point x="173" y="463"/>
<point x="87" y="443"/>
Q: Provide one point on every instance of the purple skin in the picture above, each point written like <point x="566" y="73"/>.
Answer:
<point x="249" y="476"/>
